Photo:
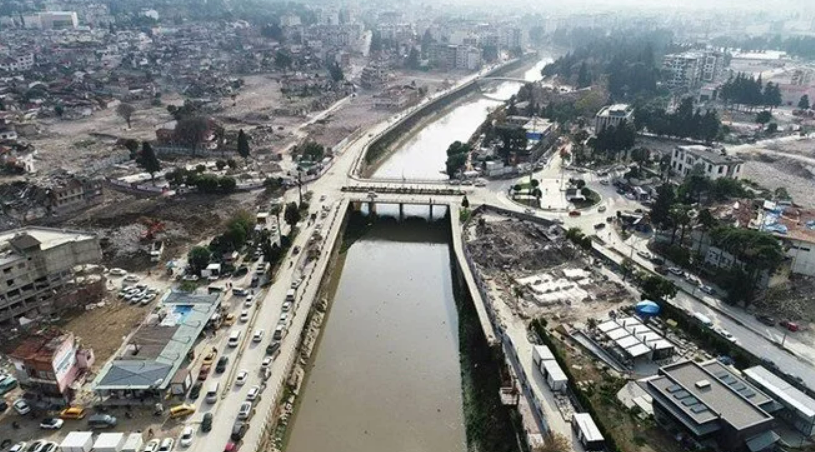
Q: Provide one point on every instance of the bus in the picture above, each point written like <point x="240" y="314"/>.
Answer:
<point x="7" y="384"/>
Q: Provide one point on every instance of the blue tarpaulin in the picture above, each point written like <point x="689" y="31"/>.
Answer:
<point x="647" y="307"/>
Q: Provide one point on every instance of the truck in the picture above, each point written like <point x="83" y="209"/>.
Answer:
<point x="109" y="442"/>
<point x="541" y="353"/>
<point x="77" y="442"/>
<point x="290" y="294"/>
<point x="133" y="443"/>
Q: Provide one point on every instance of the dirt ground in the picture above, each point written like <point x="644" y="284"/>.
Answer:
<point x="774" y="172"/>
<point x="537" y="276"/>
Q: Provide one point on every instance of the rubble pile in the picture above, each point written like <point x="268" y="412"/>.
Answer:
<point x="791" y="301"/>
<point x="516" y="244"/>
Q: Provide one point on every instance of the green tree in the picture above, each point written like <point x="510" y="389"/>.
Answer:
<point x="583" y="76"/>
<point x="283" y="60"/>
<point x="312" y="151"/>
<point x="457" y="154"/>
<point x="198" y="258"/>
<point x="781" y="193"/>
<point x="148" y="160"/>
<point x="513" y="139"/>
<point x="292" y="214"/>
<point x="220" y="164"/>
<point x="243" y="145"/>
<point x="763" y="117"/>
<point x="757" y="254"/>
<point x="640" y="155"/>
<point x="413" y="61"/>
<point x="803" y="103"/>
<point x="772" y="128"/>
<point x="227" y="184"/>
<point x="655" y="287"/>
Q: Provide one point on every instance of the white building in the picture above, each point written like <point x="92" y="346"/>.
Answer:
<point x="613" y="115"/>
<point x="49" y="20"/>
<point x="289" y="20"/>
<point x="17" y="63"/>
<point x="715" y="163"/>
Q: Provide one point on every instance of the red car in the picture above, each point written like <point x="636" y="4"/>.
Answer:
<point x="792" y="326"/>
<point x="232" y="447"/>
<point x="203" y="373"/>
<point x="574" y="213"/>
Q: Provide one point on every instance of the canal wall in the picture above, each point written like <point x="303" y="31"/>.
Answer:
<point x="379" y="148"/>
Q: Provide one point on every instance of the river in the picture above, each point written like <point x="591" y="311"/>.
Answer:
<point x="386" y="373"/>
<point x="424" y="155"/>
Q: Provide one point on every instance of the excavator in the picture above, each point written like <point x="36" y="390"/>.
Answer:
<point x="154" y="227"/>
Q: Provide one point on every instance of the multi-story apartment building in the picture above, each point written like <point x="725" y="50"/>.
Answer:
<point x="35" y="263"/>
<point x="689" y="69"/>
<point x="50" y="362"/>
<point x="715" y="163"/>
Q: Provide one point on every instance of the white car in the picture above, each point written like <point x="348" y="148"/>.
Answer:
<point x="50" y="446"/>
<point x="284" y="319"/>
<point x="267" y="362"/>
<point x="296" y="283"/>
<point x="245" y="410"/>
<point x="186" y="437"/>
<point x="240" y="380"/>
<point x="117" y="272"/>
<point x="707" y="289"/>
<point x="21" y="407"/>
<point x="601" y="209"/>
<point x="19" y="447"/>
<point x="286" y="306"/>
<point x="726" y="334"/>
<point x="152" y="445"/>
<point x="166" y="445"/>
<point x="322" y="198"/>
<point x="253" y="393"/>
<point x="51" y="423"/>
<point x="132" y="278"/>
<point x="245" y="315"/>
<point x="250" y="300"/>
<point x="258" y="336"/>
<point x="36" y="446"/>
<point x="148" y="298"/>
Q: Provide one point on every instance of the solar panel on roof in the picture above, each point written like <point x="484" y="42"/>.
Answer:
<point x="681" y="395"/>
<point x="729" y="379"/>
<point x="673" y="388"/>
<point x="698" y="408"/>
<point x="690" y="401"/>
<point x="721" y="374"/>
<point x="749" y="393"/>
<point x="739" y="386"/>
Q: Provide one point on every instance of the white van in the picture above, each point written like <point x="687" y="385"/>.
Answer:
<point x="703" y="319"/>
<point x="212" y="393"/>
<point x="290" y="294"/>
<point x="234" y="338"/>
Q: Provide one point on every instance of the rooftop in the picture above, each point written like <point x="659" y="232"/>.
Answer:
<point x="156" y="350"/>
<point x="48" y="237"/>
<point x="789" y="222"/>
<point x="615" y="110"/>
<point x="781" y="390"/>
<point x="714" y="156"/>
<point x="706" y="392"/>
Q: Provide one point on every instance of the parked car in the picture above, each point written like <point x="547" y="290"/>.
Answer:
<point x="166" y="445"/>
<point x="707" y="289"/>
<point x="253" y="393"/>
<point x="36" y="446"/>
<point x="132" y="278"/>
<point x="725" y="334"/>
<point x="73" y="412"/>
<point x="210" y="357"/>
<point x="661" y="269"/>
<point x="203" y="373"/>
<point x="296" y="250"/>
<point x="222" y="363"/>
<point x="240" y="380"/>
<point x="267" y="362"/>
<point x="675" y="271"/>
<point x="238" y="430"/>
<point x="19" y="447"/>
<point x="152" y="445"/>
<point x="286" y="306"/>
<point x="195" y="391"/>
<point x="245" y="314"/>
<point x="21" y="407"/>
<point x="185" y="409"/>
<point x="245" y="410"/>
<point x="601" y="209"/>
<point x="206" y="422"/>
<point x="765" y="319"/>
<point x="229" y="320"/>
<point x="792" y="326"/>
<point x="272" y="348"/>
<point x="599" y="226"/>
<point x="186" y="437"/>
<point x="101" y="421"/>
<point x="258" y="336"/>
<point x="117" y="272"/>
<point x="657" y="261"/>
<point x="231" y="446"/>
<point x="574" y="213"/>
<point x="51" y="423"/>
<point x="644" y="254"/>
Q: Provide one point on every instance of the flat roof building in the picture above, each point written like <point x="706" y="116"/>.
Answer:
<point x="613" y="115"/>
<point x="632" y="340"/>
<point x="799" y="408"/>
<point x="714" y="405"/>
<point x="35" y="263"/>
<point x="154" y="353"/>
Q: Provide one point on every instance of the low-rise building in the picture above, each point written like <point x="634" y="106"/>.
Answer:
<point x="144" y="368"/>
<point x="798" y="408"/>
<point x="714" y="406"/>
<point x="17" y="63"/>
<point x="52" y="20"/>
<point x="35" y="263"/>
<point x="795" y="227"/>
<point x="715" y="163"/>
<point x="613" y="115"/>
<point x="49" y="363"/>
